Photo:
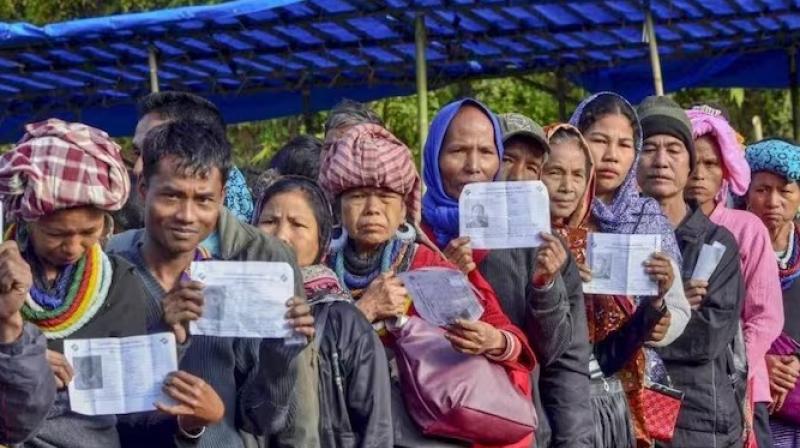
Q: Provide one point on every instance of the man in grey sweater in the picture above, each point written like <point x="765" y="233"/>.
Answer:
<point x="268" y="387"/>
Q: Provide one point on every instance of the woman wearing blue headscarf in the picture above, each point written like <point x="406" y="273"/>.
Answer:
<point x="540" y="290"/>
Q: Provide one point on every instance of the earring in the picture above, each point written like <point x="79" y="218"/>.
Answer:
<point x="406" y="233"/>
<point x="339" y="240"/>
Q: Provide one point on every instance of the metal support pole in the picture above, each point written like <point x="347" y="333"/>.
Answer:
<point x="420" y="40"/>
<point x="655" y="60"/>
<point x="153" y="63"/>
<point x="795" y="95"/>
<point x="561" y="87"/>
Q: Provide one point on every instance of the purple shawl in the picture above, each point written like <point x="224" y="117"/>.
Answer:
<point x="629" y="212"/>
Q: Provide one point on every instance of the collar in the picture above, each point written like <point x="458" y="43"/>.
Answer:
<point x="693" y="226"/>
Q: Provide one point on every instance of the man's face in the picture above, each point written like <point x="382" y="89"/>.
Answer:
<point x="663" y="166"/>
<point x="522" y="160"/>
<point x="148" y="122"/>
<point x="181" y="207"/>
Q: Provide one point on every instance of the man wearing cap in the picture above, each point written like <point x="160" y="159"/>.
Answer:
<point x="526" y="148"/>
<point x="559" y="398"/>
<point x="701" y="361"/>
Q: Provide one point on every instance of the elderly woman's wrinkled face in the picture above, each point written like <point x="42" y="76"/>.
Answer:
<point x="63" y="237"/>
<point x="371" y="216"/>
<point x="289" y="217"/>
<point x="773" y="199"/>
<point x="469" y="152"/>
<point x="706" y="179"/>
<point x="566" y="176"/>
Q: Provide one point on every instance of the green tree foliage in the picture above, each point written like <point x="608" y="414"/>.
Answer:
<point x="533" y="95"/>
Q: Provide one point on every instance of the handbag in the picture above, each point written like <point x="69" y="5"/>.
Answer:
<point x="790" y="411"/>
<point x="661" y="406"/>
<point x="455" y="395"/>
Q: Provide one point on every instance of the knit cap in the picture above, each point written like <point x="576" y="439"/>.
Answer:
<point x="662" y="115"/>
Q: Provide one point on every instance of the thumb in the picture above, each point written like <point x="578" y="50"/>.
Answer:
<point x="180" y="333"/>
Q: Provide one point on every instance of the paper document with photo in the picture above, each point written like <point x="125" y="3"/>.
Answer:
<point x="617" y="264"/>
<point x="245" y="299"/>
<point x="120" y="375"/>
<point x="442" y="295"/>
<point x="504" y="215"/>
<point x="708" y="260"/>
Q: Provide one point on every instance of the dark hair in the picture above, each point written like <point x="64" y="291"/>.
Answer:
<point x="198" y="146"/>
<point x="351" y="113"/>
<point x="299" y="157"/>
<point x="609" y="105"/>
<point x="175" y="106"/>
<point x="316" y="200"/>
<point x="131" y="215"/>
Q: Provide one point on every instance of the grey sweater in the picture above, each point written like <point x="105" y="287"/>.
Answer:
<point x="27" y="388"/>
<point x="268" y="389"/>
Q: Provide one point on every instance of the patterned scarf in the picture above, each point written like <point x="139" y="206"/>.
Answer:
<point x="628" y="212"/>
<point x="356" y="271"/>
<point x="78" y="293"/>
<point x="319" y="282"/>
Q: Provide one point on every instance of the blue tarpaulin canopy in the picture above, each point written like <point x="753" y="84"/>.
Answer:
<point x="261" y="59"/>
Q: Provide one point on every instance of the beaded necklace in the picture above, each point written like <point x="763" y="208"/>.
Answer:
<point x="80" y="291"/>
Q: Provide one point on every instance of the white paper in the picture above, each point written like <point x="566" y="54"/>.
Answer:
<point x="504" y="215"/>
<point x="120" y="375"/>
<point x="245" y="299"/>
<point x="617" y="264"/>
<point x="442" y="295"/>
<point x="708" y="260"/>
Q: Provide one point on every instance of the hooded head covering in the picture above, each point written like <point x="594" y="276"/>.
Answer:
<point x="736" y="172"/>
<point x="574" y="229"/>
<point x="59" y="165"/>
<point x="368" y="155"/>
<point x="775" y="156"/>
<point x="439" y="210"/>
<point x="628" y="212"/>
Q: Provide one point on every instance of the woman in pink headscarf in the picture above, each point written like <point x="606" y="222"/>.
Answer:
<point x="721" y="168"/>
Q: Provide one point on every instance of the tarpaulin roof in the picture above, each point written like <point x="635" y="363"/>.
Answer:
<point x="260" y="59"/>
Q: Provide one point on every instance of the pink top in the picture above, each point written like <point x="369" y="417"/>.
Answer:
<point x="762" y="315"/>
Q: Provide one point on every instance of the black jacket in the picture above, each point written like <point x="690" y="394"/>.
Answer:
<point x="354" y="391"/>
<point x="700" y="361"/>
<point x="555" y="324"/>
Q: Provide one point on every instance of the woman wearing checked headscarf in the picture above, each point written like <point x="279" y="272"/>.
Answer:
<point x="58" y="185"/>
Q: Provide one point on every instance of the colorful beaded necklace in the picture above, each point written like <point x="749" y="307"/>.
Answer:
<point x="80" y="291"/>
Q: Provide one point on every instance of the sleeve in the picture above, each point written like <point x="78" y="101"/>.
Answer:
<point x="27" y="386"/>
<point x="368" y="390"/>
<point x="552" y="318"/>
<point x="279" y="392"/>
<point x="678" y="307"/>
<point x="618" y="348"/>
<point x="564" y="381"/>
<point x="713" y="326"/>
<point x="762" y="315"/>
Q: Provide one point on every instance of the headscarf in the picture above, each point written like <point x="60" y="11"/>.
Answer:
<point x="574" y="229"/>
<point x="59" y="165"/>
<point x="438" y="208"/>
<point x="238" y="198"/>
<point x="368" y="155"/>
<point x="736" y="173"/>
<point x="628" y="212"/>
<point x="775" y="156"/>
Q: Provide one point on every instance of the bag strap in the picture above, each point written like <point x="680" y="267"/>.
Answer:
<point x="321" y="320"/>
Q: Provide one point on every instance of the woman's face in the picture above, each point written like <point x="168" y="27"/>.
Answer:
<point x="612" y="143"/>
<point x="63" y="237"/>
<point x="706" y="178"/>
<point x="773" y="199"/>
<point x="566" y="177"/>
<point x="469" y="152"/>
<point x="289" y="217"/>
<point x="372" y="216"/>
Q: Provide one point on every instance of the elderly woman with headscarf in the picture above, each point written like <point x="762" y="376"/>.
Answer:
<point x="720" y="168"/>
<point x="372" y="178"/>
<point x="538" y="290"/>
<point x="355" y="405"/>
<point x="617" y="329"/>
<point x="774" y="196"/>
<point x="58" y="185"/>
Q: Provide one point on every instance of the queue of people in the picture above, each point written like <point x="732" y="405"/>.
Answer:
<point x="92" y="249"/>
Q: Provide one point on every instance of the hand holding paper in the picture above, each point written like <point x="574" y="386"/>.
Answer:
<point x="618" y="263"/>
<point x="442" y="296"/>
<point x="708" y="260"/>
<point x="504" y="215"/>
